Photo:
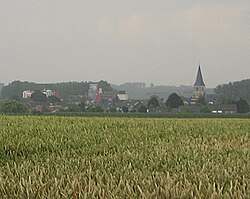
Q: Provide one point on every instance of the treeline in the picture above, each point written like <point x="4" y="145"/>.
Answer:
<point x="233" y="91"/>
<point x="146" y="115"/>
<point x="14" y="89"/>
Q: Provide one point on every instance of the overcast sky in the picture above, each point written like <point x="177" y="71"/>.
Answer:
<point x="158" y="41"/>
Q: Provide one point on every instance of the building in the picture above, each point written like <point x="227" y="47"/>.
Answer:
<point x="27" y="94"/>
<point x="122" y="96"/>
<point x="93" y="91"/>
<point x="48" y="93"/>
<point x="223" y="108"/>
<point x="56" y="94"/>
<point x="199" y="85"/>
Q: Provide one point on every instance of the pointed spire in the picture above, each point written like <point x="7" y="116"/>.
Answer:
<point x="199" y="79"/>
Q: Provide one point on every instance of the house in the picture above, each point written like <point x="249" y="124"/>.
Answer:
<point x="27" y="94"/>
<point x="223" y="108"/>
<point x="122" y="96"/>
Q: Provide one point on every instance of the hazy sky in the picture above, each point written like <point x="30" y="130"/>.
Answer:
<point x="159" y="41"/>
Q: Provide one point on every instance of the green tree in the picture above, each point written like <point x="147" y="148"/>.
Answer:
<point x="12" y="106"/>
<point x="53" y="99"/>
<point x="38" y="96"/>
<point x="242" y="106"/>
<point x="153" y="102"/>
<point x="142" y="109"/>
<point x="82" y="106"/>
<point x="174" y="101"/>
<point x="205" y="109"/>
<point x="105" y="86"/>
<point x="112" y="109"/>
<point x="125" y="109"/>
<point x="234" y="90"/>
<point x="201" y="101"/>
<point x="98" y="109"/>
<point x="73" y="108"/>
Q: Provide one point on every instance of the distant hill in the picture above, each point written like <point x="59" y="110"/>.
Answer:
<point x="138" y="90"/>
<point x="234" y="90"/>
<point x="66" y="89"/>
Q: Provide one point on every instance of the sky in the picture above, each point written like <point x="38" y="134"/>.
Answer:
<point x="152" y="41"/>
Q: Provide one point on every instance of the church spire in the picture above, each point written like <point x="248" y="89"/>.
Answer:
<point x="199" y="79"/>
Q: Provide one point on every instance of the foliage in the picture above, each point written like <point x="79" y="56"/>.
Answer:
<point x="174" y="101"/>
<point x="62" y="157"/>
<point x="82" y="106"/>
<point x="106" y="87"/>
<point x="153" y="102"/>
<point x="38" y="96"/>
<point x="205" y="109"/>
<point x="53" y="99"/>
<point x="125" y="109"/>
<point x="234" y="90"/>
<point x="201" y="101"/>
<point x="112" y="109"/>
<point x="73" y="108"/>
<point x="66" y="89"/>
<point x="142" y="109"/>
<point x="97" y="109"/>
<point x="242" y="106"/>
<point x="12" y="106"/>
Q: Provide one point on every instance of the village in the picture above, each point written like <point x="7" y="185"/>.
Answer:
<point x="99" y="100"/>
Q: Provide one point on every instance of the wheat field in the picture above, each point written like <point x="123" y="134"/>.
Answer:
<point x="77" y="157"/>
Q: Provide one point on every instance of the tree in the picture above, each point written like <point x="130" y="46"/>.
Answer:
<point x="124" y="109"/>
<point x="73" y="108"/>
<point x="82" y="106"/>
<point x="174" y="101"/>
<point x="53" y="99"/>
<point x="242" y="106"/>
<point x="153" y="102"/>
<point x="142" y="109"/>
<point x="38" y="96"/>
<point x="112" y="109"/>
<point x="98" y="109"/>
<point x="205" y="109"/>
<point x="234" y="90"/>
<point x="201" y="101"/>
<point x="104" y="85"/>
<point x="12" y="106"/>
<point x="66" y="89"/>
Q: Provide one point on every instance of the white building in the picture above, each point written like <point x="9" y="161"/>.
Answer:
<point x="27" y="94"/>
<point x="48" y="93"/>
<point x="92" y="91"/>
<point x="122" y="96"/>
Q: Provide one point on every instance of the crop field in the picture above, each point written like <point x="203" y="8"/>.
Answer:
<point x="77" y="157"/>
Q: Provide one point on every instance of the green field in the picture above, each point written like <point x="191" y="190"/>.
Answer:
<point x="76" y="157"/>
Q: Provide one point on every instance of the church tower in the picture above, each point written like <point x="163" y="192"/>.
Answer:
<point x="199" y="86"/>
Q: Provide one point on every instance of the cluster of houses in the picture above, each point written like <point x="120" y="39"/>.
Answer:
<point x="119" y="99"/>
<point x="46" y="92"/>
<point x="199" y="90"/>
<point x="38" y="107"/>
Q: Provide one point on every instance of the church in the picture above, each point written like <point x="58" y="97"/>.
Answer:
<point x="199" y="90"/>
<point x="199" y="86"/>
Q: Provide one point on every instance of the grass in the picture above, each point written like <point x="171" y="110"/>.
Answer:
<point x="75" y="157"/>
